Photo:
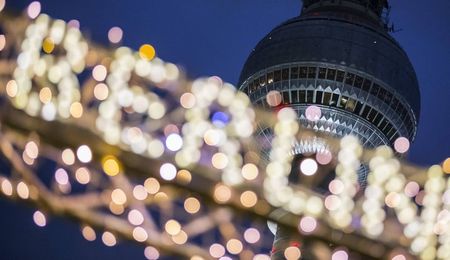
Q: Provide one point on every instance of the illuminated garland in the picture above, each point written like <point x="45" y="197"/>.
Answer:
<point x="213" y="128"/>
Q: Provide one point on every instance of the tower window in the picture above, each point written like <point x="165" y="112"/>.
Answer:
<point x="294" y="96"/>
<point x="391" y="134"/>
<point x="350" y="106"/>
<point x="358" y="107"/>
<point x="303" y="72"/>
<point x="285" y="74"/>
<point x="343" y="101"/>
<point x="358" y="82"/>
<point x="310" y="96"/>
<point x="312" y="72"/>
<point x="388" y="128"/>
<point x="302" y="96"/>
<point x="319" y="97"/>
<point x="365" y="111"/>
<point x="326" y="98"/>
<point x="252" y="86"/>
<point x="372" y="114"/>
<point x="340" y="75"/>
<point x="331" y="74"/>
<point x="388" y="97"/>
<point x="349" y="78"/>
<point x="262" y="80"/>
<point x="334" y="100"/>
<point x="395" y="103"/>
<point x="286" y="99"/>
<point x="322" y="73"/>
<point x="377" y="119"/>
<point x="374" y="90"/>
<point x="381" y="94"/>
<point x="270" y="77"/>
<point x="383" y="124"/>
<point x="277" y="75"/>
<point x="294" y="73"/>
<point x="366" y="85"/>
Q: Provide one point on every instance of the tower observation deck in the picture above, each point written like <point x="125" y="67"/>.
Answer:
<point x="339" y="56"/>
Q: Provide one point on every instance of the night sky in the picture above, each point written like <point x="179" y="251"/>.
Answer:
<point x="214" y="37"/>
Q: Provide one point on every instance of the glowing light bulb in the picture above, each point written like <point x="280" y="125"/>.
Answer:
<point x="111" y="165"/>
<point x="401" y="144"/>
<point x="308" y="224"/>
<point x="273" y="98"/>
<point x="115" y="34"/>
<point x="216" y="250"/>
<point x="84" y="154"/>
<point x="39" y="219"/>
<point x="34" y="9"/>
<point x="147" y="52"/>
<point x="308" y="167"/>
<point x="174" y="142"/>
<point x="168" y="171"/>
<point x="313" y="113"/>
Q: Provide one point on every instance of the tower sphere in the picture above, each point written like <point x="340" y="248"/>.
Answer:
<point x="338" y="55"/>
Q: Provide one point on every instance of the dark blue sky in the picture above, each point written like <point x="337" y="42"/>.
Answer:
<point x="214" y="37"/>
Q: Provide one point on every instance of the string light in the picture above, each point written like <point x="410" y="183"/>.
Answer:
<point x="7" y="187"/>
<point x="252" y="235"/>
<point x="111" y="165"/>
<point x="151" y="253"/>
<point x="88" y="233"/>
<point x="308" y="167"/>
<point x="115" y="34"/>
<point x="68" y="157"/>
<point x="401" y="144"/>
<point x="308" y="224"/>
<point x="339" y="255"/>
<point x="23" y="190"/>
<point x="216" y="250"/>
<point x="39" y="219"/>
<point x="313" y="113"/>
<point x="139" y="234"/>
<point x="172" y="227"/>
<point x="83" y="175"/>
<point x="109" y="239"/>
<point x="168" y="171"/>
<point x="344" y="185"/>
<point x="273" y="98"/>
<point x="84" y="154"/>
<point x="234" y="246"/>
<point x="192" y="205"/>
<point x="118" y="197"/>
<point x="139" y="192"/>
<point x="34" y="9"/>
<point x="147" y="52"/>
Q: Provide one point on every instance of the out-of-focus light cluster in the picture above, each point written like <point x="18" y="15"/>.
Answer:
<point x="441" y="226"/>
<point x="276" y="187"/>
<point x="62" y="99"/>
<point x="382" y="168"/>
<point x="340" y="203"/>
<point x="198" y="128"/>
<point x="425" y="243"/>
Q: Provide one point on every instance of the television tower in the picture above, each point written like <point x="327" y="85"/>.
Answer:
<point x="337" y="55"/>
